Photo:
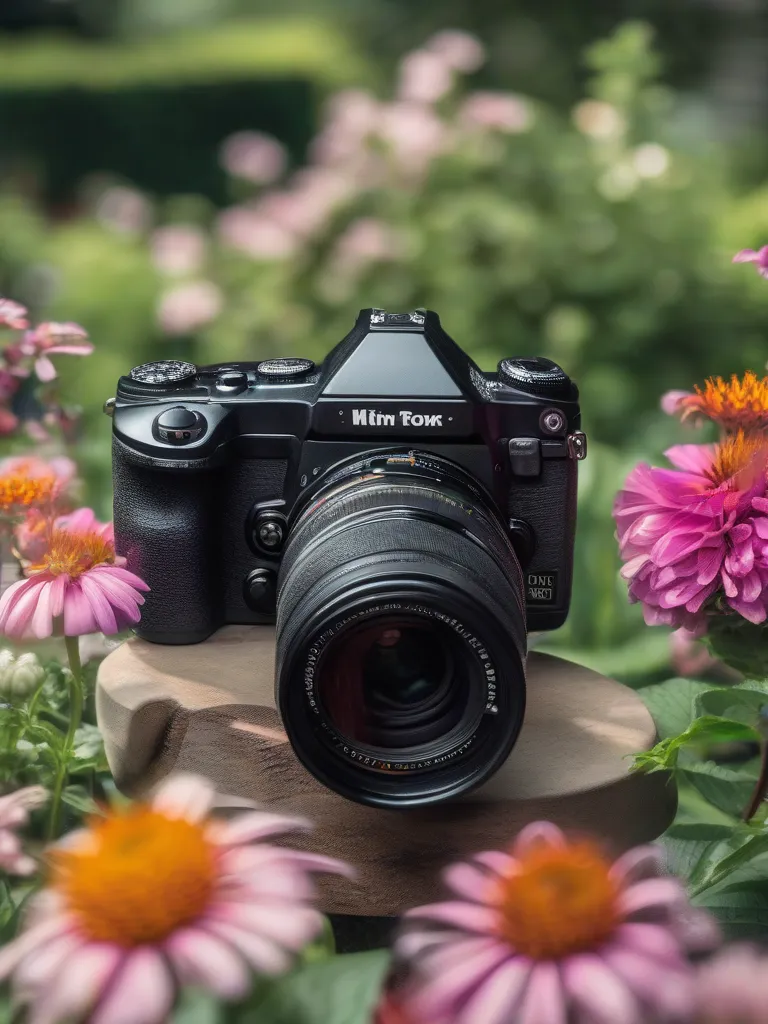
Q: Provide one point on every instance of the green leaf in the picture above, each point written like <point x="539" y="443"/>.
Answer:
<point x="80" y="800"/>
<point x="89" y="742"/>
<point x="730" y="860"/>
<point x="738" y="703"/>
<point x="741" y="909"/>
<point x="672" y="704"/>
<point x="728" y="788"/>
<point x="690" y="849"/>
<point x="701" y="733"/>
<point x="198" y="1008"/>
<point x="342" y="990"/>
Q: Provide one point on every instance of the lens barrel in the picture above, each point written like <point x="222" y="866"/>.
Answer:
<point x="400" y="632"/>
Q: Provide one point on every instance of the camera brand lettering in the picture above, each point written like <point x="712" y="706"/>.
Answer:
<point x="402" y="418"/>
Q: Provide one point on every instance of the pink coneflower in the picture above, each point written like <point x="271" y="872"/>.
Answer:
<point x="425" y="77"/>
<point x="13" y="315"/>
<point x="254" y="157"/>
<point x="14" y="814"/>
<point x="732" y="988"/>
<point x="496" y="110"/>
<point x="32" y="533"/>
<point x="460" y="50"/>
<point x="690" y="533"/>
<point x="549" y="932"/>
<point x="189" y="306"/>
<point x="79" y="581"/>
<point x="49" y="339"/>
<point x="160" y="896"/>
<point x="178" y="249"/>
<point x="759" y="257"/>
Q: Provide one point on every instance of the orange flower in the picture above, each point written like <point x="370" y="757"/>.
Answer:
<point x="737" y="404"/>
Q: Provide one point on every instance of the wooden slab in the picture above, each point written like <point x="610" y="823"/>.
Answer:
<point x="210" y="708"/>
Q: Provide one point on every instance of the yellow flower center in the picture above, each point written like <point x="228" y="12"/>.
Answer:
<point x="742" y="459"/>
<point x="558" y="901"/>
<point x="74" y="553"/>
<point x="737" y="403"/>
<point x="19" y="492"/>
<point x="137" y="876"/>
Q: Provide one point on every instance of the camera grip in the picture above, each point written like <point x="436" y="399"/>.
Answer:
<point x="164" y="527"/>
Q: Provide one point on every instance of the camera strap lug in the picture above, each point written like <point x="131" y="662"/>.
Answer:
<point x="577" y="446"/>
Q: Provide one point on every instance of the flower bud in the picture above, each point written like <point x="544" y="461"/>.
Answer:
<point x="19" y="677"/>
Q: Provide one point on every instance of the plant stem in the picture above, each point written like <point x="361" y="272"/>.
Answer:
<point x="75" y="716"/>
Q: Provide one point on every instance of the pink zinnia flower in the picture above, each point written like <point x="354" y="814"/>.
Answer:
<point x="732" y="988"/>
<point x="759" y="256"/>
<point x="740" y="403"/>
<point x="690" y="533"/>
<point x="13" y="315"/>
<point x="14" y="814"/>
<point x="80" y="579"/>
<point x="54" y="339"/>
<point x="32" y="533"/>
<point x="27" y="481"/>
<point x="549" y="932"/>
<point x="159" y="896"/>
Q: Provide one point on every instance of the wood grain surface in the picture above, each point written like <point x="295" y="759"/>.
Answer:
<point x="210" y="708"/>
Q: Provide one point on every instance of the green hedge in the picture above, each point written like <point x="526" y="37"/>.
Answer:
<point x="154" y="112"/>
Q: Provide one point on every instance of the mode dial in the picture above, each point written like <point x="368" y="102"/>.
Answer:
<point x="164" y="373"/>
<point x="537" y="376"/>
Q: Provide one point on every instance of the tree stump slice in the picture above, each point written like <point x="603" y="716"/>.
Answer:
<point x="209" y="708"/>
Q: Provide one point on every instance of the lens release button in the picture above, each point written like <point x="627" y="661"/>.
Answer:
<point x="525" y="456"/>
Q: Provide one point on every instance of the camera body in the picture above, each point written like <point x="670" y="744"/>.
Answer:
<point x="212" y="465"/>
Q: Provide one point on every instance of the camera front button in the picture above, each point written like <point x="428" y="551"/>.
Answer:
<point x="179" y="425"/>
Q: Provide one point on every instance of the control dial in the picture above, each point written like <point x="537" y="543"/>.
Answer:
<point x="179" y="425"/>
<point x="285" y="368"/>
<point x="164" y="373"/>
<point x="537" y="376"/>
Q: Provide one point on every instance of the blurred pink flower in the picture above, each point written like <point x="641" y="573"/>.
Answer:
<point x="9" y="385"/>
<point x="79" y="580"/>
<point x="14" y="814"/>
<point x="49" y="339"/>
<point x="498" y="110"/>
<point x="254" y="157"/>
<point x="305" y="207"/>
<point x="190" y="306"/>
<point x="671" y="401"/>
<point x="178" y="249"/>
<point x="255" y="234"/>
<point x="688" y="654"/>
<point x="689" y="533"/>
<point x="8" y="422"/>
<point x="60" y="467"/>
<point x="415" y="135"/>
<point x="32" y="533"/>
<point x="156" y="897"/>
<point x="732" y="987"/>
<point x="124" y="210"/>
<point x="351" y="117"/>
<point x="760" y="257"/>
<point x="366" y="240"/>
<point x="460" y="50"/>
<point x="425" y="77"/>
<point x="552" y="931"/>
<point x="13" y="315"/>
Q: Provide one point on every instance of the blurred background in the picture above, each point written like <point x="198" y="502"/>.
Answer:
<point x="215" y="179"/>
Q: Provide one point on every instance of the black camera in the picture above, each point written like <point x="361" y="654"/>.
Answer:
<point x="403" y="517"/>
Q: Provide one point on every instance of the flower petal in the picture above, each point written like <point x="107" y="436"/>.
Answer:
<point x="245" y="828"/>
<point x="666" y="989"/>
<point x="469" y="882"/>
<point x="75" y="989"/>
<point x="543" y="1001"/>
<point x="495" y="1000"/>
<point x="292" y="927"/>
<point x="467" y="916"/>
<point x="598" y="992"/>
<point x="78" y="613"/>
<point x="536" y="834"/>
<point x="650" y="895"/>
<point x="453" y="973"/>
<point x="745" y="256"/>
<point x="185" y="796"/>
<point x="200" y="958"/>
<point x="142" y="992"/>
<point x="264" y="956"/>
<point x="637" y="864"/>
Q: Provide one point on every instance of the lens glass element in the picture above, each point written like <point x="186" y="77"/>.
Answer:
<point x="393" y="684"/>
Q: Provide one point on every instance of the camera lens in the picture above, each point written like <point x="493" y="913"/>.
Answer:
<point x="393" y="685"/>
<point x="400" y="632"/>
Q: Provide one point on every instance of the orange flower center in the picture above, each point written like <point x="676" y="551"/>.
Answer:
<point x="741" y="459"/>
<point x="559" y="900"/>
<point x="737" y="403"/>
<point x="19" y="492"/>
<point x="74" y="553"/>
<point x="137" y="876"/>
